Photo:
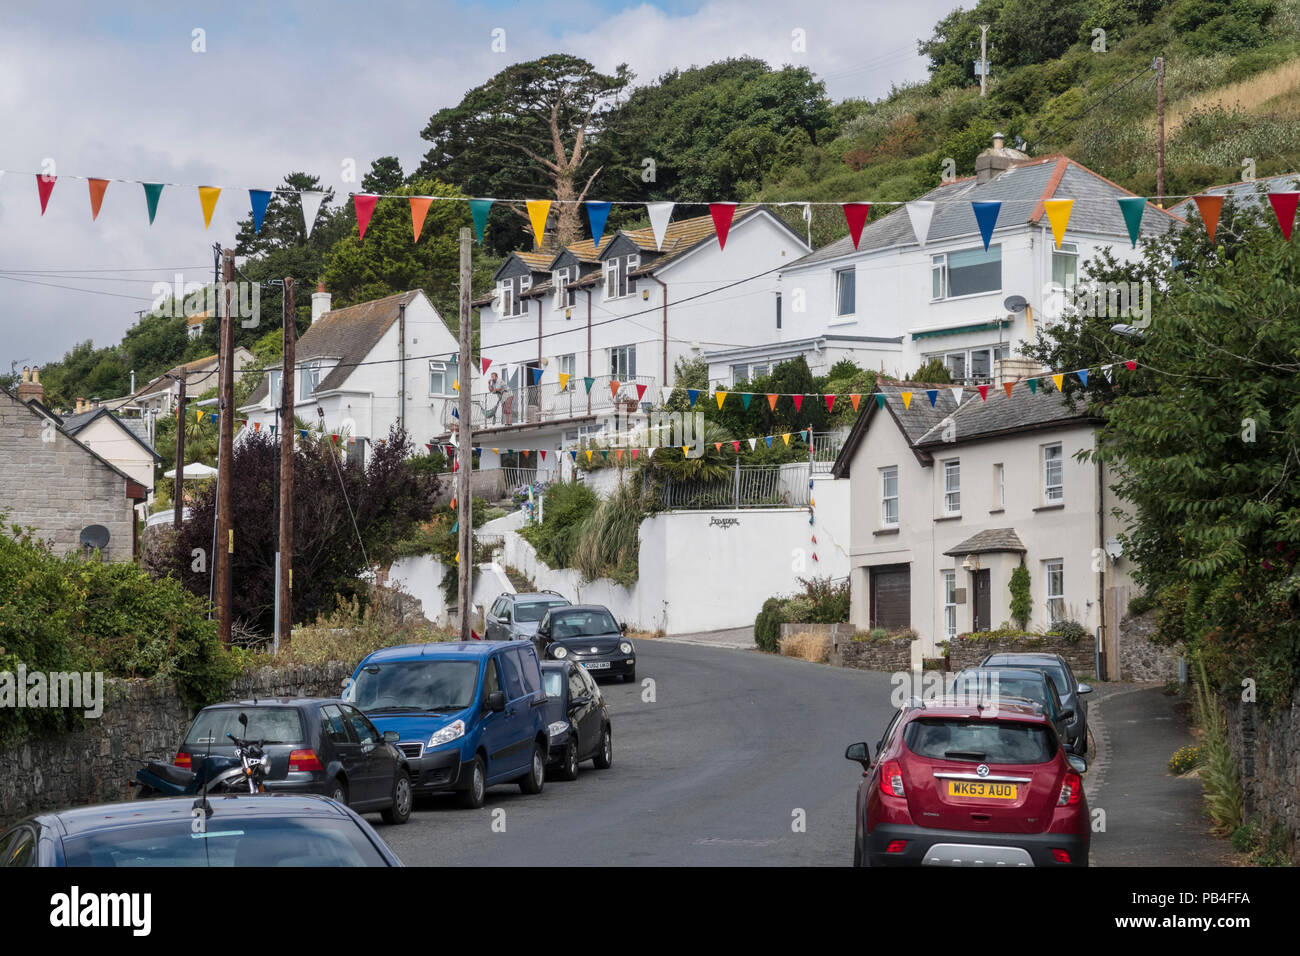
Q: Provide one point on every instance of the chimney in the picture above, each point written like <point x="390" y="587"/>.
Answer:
<point x="31" y="389"/>
<point x="993" y="162"/>
<point x="320" y="302"/>
<point x="81" y="405"/>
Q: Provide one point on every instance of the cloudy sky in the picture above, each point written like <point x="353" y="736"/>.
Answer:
<point x="293" y="85"/>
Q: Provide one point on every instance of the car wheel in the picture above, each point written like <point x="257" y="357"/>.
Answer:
<point x="630" y="677"/>
<point x="605" y="756"/>
<point x="471" y="798"/>
<point x="400" y="811"/>
<point x="532" y="781"/>
<point x="569" y="768"/>
<point x="339" y="792"/>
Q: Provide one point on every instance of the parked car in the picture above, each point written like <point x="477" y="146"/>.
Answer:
<point x="1073" y="694"/>
<point x="272" y="829"/>
<point x="514" y="617"/>
<point x="578" y="720"/>
<point x="588" y="635"/>
<point x="468" y="715"/>
<point x="953" y="783"/>
<point x="1014" y="683"/>
<point x="314" y="745"/>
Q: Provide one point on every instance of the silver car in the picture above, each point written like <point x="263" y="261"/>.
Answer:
<point x="514" y="617"/>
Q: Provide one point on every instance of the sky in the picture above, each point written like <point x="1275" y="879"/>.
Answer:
<point x="265" y="88"/>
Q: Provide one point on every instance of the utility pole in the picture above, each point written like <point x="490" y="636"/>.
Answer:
<point x="284" y="619"/>
<point x="178" y="488"/>
<point x="984" y="58"/>
<point x="225" y="528"/>
<point x="1160" y="131"/>
<point x="464" y="514"/>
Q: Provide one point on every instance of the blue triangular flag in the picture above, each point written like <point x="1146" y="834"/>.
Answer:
<point x="303" y="432"/>
<point x="692" y="394"/>
<point x="597" y="213"/>
<point x="768" y="439"/>
<point x="259" y="198"/>
<point x="573" y="455"/>
<point x="932" y="394"/>
<point x="455" y="413"/>
<point x="213" y="418"/>
<point x="986" y="214"/>
<point x="1083" y="375"/>
<point x="537" y="376"/>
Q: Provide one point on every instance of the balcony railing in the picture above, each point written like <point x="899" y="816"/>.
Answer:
<point x="533" y="404"/>
<point x="826" y="448"/>
<point x="748" y="486"/>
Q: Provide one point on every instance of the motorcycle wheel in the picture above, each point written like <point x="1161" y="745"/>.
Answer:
<point x="143" y="792"/>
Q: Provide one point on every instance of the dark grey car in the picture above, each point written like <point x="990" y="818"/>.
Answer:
<point x="514" y="617"/>
<point x="1073" y="694"/>
<point x="1010" y="683"/>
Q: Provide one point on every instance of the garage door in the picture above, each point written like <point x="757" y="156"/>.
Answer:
<point x="891" y="596"/>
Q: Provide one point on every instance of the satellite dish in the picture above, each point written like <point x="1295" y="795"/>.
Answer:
<point x="1114" y="548"/>
<point x="94" y="536"/>
<point x="1015" y="303"/>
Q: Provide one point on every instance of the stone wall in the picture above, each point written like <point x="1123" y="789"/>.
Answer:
<point x="1141" y="660"/>
<point x="142" y="720"/>
<point x="889" y="655"/>
<point x="56" y="485"/>
<point x="1269" y="761"/>
<point x="1081" y="655"/>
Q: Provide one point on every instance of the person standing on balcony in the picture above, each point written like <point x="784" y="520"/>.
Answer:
<point x="504" y="399"/>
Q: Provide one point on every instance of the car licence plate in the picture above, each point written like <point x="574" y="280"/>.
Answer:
<point x="596" y="665"/>
<point x="982" y="789"/>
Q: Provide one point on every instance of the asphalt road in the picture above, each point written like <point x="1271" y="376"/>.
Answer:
<point x="711" y="772"/>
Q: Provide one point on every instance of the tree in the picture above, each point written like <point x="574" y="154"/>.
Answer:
<point x="385" y="176"/>
<point x="934" y="372"/>
<point x="524" y="134"/>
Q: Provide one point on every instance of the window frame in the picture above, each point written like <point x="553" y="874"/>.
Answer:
<point x="951" y="466"/>
<point x="309" y="380"/>
<point x="941" y="270"/>
<point x="1054" y="567"/>
<point x="444" y="368"/>
<point x="628" y="352"/>
<point x="886" y="498"/>
<point x="948" y="583"/>
<point x="619" y="268"/>
<point x="565" y="295"/>
<point x="568" y="364"/>
<point x="1059" y="460"/>
<point x="852" y="273"/>
<point x="1068" y="255"/>
<point x="999" y="485"/>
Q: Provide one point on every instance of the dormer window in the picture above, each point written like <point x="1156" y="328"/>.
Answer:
<point x="309" y="378"/>
<point x="565" y="296"/>
<point x="617" y="276"/>
<point x="510" y="293"/>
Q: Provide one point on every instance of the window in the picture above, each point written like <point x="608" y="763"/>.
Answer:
<point x="356" y="451"/>
<point x="1053" y="491"/>
<point x="528" y="670"/>
<point x="949" y="603"/>
<point x="889" y="496"/>
<point x="439" y="380"/>
<point x="952" y="487"/>
<point x="846" y="291"/>
<point x="364" y="729"/>
<point x="491" y="679"/>
<point x="622" y="363"/>
<point x="971" y="365"/>
<point x="335" y="728"/>
<point x="564" y="295"/>
<point x="510" y="674"/>
<point x="568" y="366"/>
<point x="999" y="486"/>
<point x="749" y="372"/>
<point x="969" y="272"/>
<point x="273" y="392"/>
<point x="510" y="291"/>
<point x="1065" y="265"/>
<point x="1055" y="574"/>
<point x="778" y="310"/>
<point x="309" y="378"/>
<point x="617" y="276"/>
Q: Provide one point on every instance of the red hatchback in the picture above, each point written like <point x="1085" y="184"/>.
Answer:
<point x="964" y="783"/>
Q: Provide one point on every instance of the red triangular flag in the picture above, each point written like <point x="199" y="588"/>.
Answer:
<point x="1210" y="207"/>
<point x="798" y="401"/>
<point x="722" y="213"/>
<point x="1131" y="365"/>
<point x="856" y="215"/>
<point x="830" y="403"/>
<point x="814" y="539"/>
<point x="365" y="205"/>
<point x="635" y="452"/>
<point x="45" y="186"/>
<point x="1284" y="206"/>
<point x="984" y="392"/>
<point x="735" y="445"/>
<point x="1008" y="386"/>
<point x="640" y="392"/>
<point x="485" y="362"/>
<point x="542" y="452"/>
<point x="336" y="438"/>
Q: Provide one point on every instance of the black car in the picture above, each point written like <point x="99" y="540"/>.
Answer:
<point x="514" y="617"/>
<point x="578" y="720"/>
<point x="1073" y="694"/>
<point x="1015" y="683"/>
<point x="315" y="745"/>
<point x="231" y="830"/>
<point x="588" y="635"/>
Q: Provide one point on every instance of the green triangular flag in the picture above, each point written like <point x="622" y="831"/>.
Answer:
<point x="1132" y="207"/>
<point x="478" y="208"/>
<point x="745" y="399"/>
<point x="151" y="193"/>
<point x="589" y="382"/>
<point x="880" y="399"/>
<point x="455" y="527"/>
<point x="1033" y="386"/>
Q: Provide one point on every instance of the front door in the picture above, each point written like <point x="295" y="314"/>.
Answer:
<point x="980" y="621"/>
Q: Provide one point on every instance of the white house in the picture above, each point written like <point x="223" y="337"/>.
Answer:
<point x="625" y="313"/>
<point x="122" y="442"/>
<point x="893" y="304"/>
<point x="948" y="500"/>
<point x="366" y="367"/>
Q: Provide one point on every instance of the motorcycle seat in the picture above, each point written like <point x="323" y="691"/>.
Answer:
<point x="171" y="773"/>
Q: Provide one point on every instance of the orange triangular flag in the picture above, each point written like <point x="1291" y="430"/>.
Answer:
<point x="419" y="209"/>
<point x="208" y="200"/>
<point x="855" y="398"/>
<point x="1210" y="207"/>
<point x="771" y="400"/>
<point x="257" y="426"/>
<point x="97" y="187"/>
<point x="524" y="452"/>
<point x="1008" y="386"/>
<point x="717" y="446"/>
<point x="619" y="454"/>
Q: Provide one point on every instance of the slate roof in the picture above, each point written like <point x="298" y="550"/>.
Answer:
<point x="73" y="424"/>
<point x="1021" y="190"/>
<point x="994" y="539"/>
<point x="344" y="334"/>
<point x="1252" y="193"/>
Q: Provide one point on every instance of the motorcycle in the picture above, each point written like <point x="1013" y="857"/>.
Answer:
<point x="247" y="769"/>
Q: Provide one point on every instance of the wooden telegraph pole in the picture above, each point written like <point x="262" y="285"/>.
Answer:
<point x="465" y="452"/>
<point x="284" y="624"/>
<point x="178" y="487"/>
<point x="226" y="455"/>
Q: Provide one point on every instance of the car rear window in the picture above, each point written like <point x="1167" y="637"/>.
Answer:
<point x="283" y="841"/>
<point x="983" y="684"/>
<point x="528" y="612"/>
<point x="274" y="725"/>
<point x="980" y="741"/>
<point x="554" y="681"/>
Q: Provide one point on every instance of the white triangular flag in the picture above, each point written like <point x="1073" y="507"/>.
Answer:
<point x="310" y="207"/>
<point x="1105" y="370"/>
<point x="921" y="212"/>
<point x="659" y="215"/>
<point x="650" y="451"/>
<point x="956" y="395"/>
<point x="665" y="393"/>
<point x="752" y="443"/>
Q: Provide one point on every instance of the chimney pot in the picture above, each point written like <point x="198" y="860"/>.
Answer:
<point x="320" y="302"/>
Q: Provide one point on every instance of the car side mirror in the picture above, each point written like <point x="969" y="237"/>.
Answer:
<point x="1085" y="688"/>
<point x="496" y="701"/>
<point x="860" y="753"/>
<point x="392" y="736"/>
<point x="1079" y="764"/>
<point x="243" y="721"/>
<point x="1067" y="714"/>
<point x="582" y="700"/>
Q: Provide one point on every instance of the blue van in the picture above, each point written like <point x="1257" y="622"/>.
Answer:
<point x="468" y="714"/>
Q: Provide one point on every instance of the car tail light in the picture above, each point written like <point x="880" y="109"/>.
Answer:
<point x="183" y="760"/>
<point x="891" y="779"/>
<point x="304" y="760"/>
<point x="1061" y="856"/>
<point x="896" y="846"/>
<point x="1071" y="790"/>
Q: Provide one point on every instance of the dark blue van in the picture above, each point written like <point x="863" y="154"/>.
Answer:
<point x="468" y="714"/>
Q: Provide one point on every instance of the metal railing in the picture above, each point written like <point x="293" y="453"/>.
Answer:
<point x="514" y="477"/>
<point x="826" y="448"/>
<point x="528" y="404"/>
<point x="748" y="486"/>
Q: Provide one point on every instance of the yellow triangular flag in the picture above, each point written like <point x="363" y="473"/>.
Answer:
<point x="907" y="399"/>
<point x="1059" y="380"/>
<point x="496" y="451"/>
<point x="588" y="454"/>
<point x="786" y="438"/>
<point x="564" y="380"/>
<point x="455" y="385"/>
<point x="458" y="557"/>
<point x="538" y="210"/>
<point x="812" y="502"/>
<point x="208" y="200"/>
<point x="686" y="450"/>
<point x="198" y="415"/>
<point x="722" y="397"/>
<point x="1058" y="214"/>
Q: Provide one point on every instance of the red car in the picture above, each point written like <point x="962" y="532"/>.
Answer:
<point x="958" y="782"/>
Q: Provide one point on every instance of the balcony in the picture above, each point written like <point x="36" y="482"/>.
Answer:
<point x="538" y="404"/>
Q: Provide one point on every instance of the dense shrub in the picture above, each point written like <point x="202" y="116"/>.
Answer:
<point x="1071" y="631"/>
<point x="1021" y="601"/>
<point x="566" y="506"/>
<point x="767" y="626"/>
